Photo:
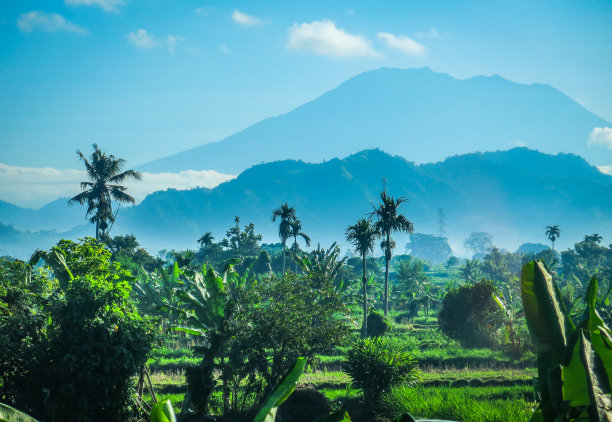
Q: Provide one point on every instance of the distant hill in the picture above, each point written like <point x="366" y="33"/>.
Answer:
<point x="56" y="215"/>
<point x="511" y="194"/>
<point x="416" y="113"/>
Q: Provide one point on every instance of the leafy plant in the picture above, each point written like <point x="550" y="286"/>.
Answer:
<point x="574" y="362"/>
<point x="377" y="364"/>
<point x="81" y="364"/>
<point x="465" y="313"/>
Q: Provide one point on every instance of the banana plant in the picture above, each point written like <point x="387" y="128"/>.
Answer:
<point x="10" y="414"/>
<point x="574" y="362"/>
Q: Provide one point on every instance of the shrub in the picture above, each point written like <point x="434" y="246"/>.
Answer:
<point x="93" y="341"/>
<point x="377" y="324"/>
<point x="377" y="364"/>
<point x="466" y="312"/>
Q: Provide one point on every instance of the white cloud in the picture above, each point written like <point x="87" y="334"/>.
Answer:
<point x="402" y="43"/>
<point x="48" y="22"/>
<point x="171" y="41"/>
<point x="324" y="38"/>
<point x="108" y="5"/>
<point x="605" y="169"/>
<point x="204" y="11"/>
<point x="146" y="41"/>
<point x="142" y="39"/>
<point x="224" y="48"/>
<point x="601" y="136"/>
<point x="34" y="187"/>
<point x="432" y="33"/>
<point x="246" y="20"/>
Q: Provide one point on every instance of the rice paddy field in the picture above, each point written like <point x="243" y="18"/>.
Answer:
<point x="455" y="383"/>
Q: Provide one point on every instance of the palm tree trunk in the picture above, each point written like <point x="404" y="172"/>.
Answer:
<point x="387" y="257"/>
<point x="283" y="259"/>
<point x="365" y="300"/>
<point x="97" y="229"/>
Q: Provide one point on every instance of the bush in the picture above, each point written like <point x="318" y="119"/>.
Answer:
<point x="465" y="314"/>
<point x="377" y="324"/>
<point x="375" y="365"/>
<point x="92" y="343"/>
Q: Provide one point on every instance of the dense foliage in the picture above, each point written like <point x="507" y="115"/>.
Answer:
<point x="83" y="341"/>
<point x="377" y="364"/>
<point x="465" y="314"/>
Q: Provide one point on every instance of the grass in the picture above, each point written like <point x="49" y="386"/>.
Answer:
<point x="456" y="384"/>
<point x="474" y="404"/>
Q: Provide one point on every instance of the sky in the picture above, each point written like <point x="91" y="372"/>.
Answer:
<point x="148" y="78"/>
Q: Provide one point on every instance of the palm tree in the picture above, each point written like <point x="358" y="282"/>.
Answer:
<point x="206" y="239"/>
<point x="389" y="220"/>
<point x="296" y="231"/>
<point x="363" y="237"/>
<point x="594" y="238"/>
<point x="104" y="172"/>
<point x="553" y="232"/>
<point x="286" y="214"/>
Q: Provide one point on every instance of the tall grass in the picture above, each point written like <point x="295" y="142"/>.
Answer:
<point x="476" y="404"/>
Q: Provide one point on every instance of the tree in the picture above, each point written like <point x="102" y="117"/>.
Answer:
<point x="296" y="231"/>
<point x="429" y="247"/>
<point x="389" y="220"/>
<point x="286" y="214"/>
<point x="553" y="232"/>
<point x="104" y="172"/>
<point x="479" y="243"/>
<point x="363" y="237"/>
<point x="206" y="239"/>
<point x="594" y="238"/>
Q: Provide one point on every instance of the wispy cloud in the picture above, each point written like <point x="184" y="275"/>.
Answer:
<point x="47" y="22"/>
<point x="324" y="38"/>
<point x="142" y="39"/>
<point x="246" y="20"/>
<point x="403" y="43"/>
<point x="172" y="41"/>
<point x="601" y="136"/>
<point x="145" y="40"/>
<point x="432" y="33"/>
<point x="34" y="186"/>
<point x="108" y="5"/>
<point x="204" y="11"/>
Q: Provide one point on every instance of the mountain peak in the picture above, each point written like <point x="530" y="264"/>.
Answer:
<point x="420" y="114"/>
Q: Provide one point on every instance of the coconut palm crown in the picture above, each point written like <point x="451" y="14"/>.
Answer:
<point x="553" y="232"/>
<point x="388" y="220"/>
<point x="104" y="173"/>
<point x="286" y="214"/>
<point x="363" y="237"/>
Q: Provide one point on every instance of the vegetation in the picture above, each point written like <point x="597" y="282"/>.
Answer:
<point x="104" y="172"/>
<point x="229" y="330"/>
<point x="377" y="364"/>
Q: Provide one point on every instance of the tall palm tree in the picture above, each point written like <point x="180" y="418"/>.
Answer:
<point x="104" y="172"/>
<point x="553" y="232"/>
<point x="206" y="239"/>
<point x="286" y="214"/>
<point x="296" y="231"/>
<point x="388" y="219"/>
<point x="363" y="237"/>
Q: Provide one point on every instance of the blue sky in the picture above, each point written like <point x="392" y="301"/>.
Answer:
<point x="148" y="78"/>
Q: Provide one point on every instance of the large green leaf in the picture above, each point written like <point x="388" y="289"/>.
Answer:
<point x="575" y="388"/>
<point x="600" y="408"/>
<point x="548" y="325"/>
<point x="163" y="412"/>
<point x="267" y="412"/>
<point x="600" y="334"/>
<point x="9" y="414"/>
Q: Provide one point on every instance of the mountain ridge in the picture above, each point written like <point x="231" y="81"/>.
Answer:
<point x="416" y="113"/>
